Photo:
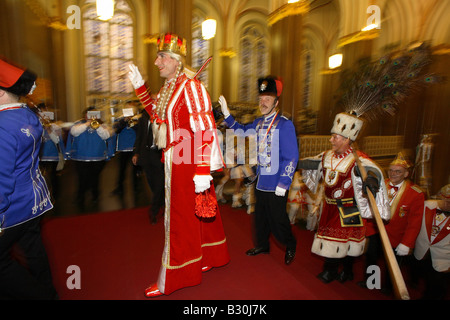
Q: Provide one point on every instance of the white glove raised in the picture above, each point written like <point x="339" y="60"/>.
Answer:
<point x="135" y="77"/>
<point x="202" y="182"/>
<point x="224" y="106"/>
<point x="402" y="250"/>
<point x="280" y="192"/>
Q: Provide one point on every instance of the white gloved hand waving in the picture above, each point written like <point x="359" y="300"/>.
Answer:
<point x="135" y="77"/>
<point x="224" y="106"/>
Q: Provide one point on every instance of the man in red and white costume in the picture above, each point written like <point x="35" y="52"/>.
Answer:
<point x="341" y="231"/>
<point x="432" y="248"/>
<point x="406" y="202"/>
<point x="184" y="128"/>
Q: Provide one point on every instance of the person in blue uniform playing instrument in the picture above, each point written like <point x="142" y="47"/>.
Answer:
<point x="277" y="158"/>
<point x="125" y="128"/>
<point x="89" y="145"/>
<point x="24" y="195"/>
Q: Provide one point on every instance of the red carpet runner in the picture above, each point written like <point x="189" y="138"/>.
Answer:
<point x="119" y="255"/>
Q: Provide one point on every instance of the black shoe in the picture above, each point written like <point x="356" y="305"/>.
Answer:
<point x="345" y="275"/>
<point x="257" y="250"/>
<point x="327" y="276"/>
<point x="289" y="256"/>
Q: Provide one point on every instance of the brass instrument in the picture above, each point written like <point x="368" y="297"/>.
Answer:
<point x="46" y="122"/>
<point x="132" y="121"/>
<point x="95" y="124"/>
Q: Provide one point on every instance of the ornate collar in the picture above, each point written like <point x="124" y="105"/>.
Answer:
<point x="344" y="154"/>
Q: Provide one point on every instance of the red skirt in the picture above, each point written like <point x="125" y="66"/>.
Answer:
<point x="191" y="243"/>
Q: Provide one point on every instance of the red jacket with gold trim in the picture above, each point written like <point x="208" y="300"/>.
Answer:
<point x="406" y="215"/>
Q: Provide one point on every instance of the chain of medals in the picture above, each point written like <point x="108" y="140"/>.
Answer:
<point x="261" y="145"/>
<point x="333" y="173"/>
<point x="436" y="228"/>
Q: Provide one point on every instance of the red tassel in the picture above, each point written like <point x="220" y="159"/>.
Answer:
<point x="205" y="205"/>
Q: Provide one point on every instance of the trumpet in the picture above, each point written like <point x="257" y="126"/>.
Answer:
<point x="46" y="122"/>
<point x="95" y="124"/>
<point x="132" y="121"/>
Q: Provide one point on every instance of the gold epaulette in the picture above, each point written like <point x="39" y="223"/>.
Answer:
<point x="416" y="188"/>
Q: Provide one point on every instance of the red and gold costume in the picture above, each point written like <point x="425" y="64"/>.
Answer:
<point x="406" y="214"/>
<point x="341" y="230"/>
<point x="191" y="242"/>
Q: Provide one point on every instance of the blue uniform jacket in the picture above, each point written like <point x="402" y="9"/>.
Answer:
<point x="126" y="136"/>
<point x="277" y="151"/>
<point x="89" y="146"/>
<point x="49" y="149"/>
<point x="23" y="192"/>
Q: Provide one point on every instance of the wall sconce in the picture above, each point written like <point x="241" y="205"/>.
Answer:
<point x="209" y="29"/>
<point x="335" y="61"/>
<point x="105" y="9"/>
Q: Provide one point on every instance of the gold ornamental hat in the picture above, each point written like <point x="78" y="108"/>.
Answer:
<point x="172" y="43"/>
<point x="401" y="160"/>
<point x="444" y="192"/>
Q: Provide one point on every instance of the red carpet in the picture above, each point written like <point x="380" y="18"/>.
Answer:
<point x="119" y="255"/>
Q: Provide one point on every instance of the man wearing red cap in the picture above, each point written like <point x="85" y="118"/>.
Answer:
<point x="24" y="195"/>
<point x="183" y="127"/>
<point x="277" y="151"/>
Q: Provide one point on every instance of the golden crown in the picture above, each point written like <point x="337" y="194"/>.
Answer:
<point x="173" y="43"/>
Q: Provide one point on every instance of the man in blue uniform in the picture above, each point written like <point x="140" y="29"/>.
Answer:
<point x="277" y="158"/>
<point x="125" y="128"/>
<point x="90" y="144"/>
<point x="24" y="195"/>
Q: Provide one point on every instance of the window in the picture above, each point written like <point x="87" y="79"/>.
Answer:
<point x="253" y="63"/>
<point x="108" y="50"/>
<point x="200" y="49"/>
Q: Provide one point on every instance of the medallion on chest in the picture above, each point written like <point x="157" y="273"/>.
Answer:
<point x="337" y="166"/>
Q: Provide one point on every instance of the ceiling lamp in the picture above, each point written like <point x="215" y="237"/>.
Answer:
<point x="105" y="9"/>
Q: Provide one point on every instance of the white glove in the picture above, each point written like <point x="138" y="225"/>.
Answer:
<point x="402" y="250"/>
<point x="135" y="77"/>
<point x="202" y="182"/>
<point x="32" y="89"/>
<point x="280" y="192"/>
<point x="103" y="133"/>
<point x="78" y="129"/>
<point x="54" y="137"/>
<point x="224" y="106"/>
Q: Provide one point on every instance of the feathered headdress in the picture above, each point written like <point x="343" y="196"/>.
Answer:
<point x="378" y="87"/>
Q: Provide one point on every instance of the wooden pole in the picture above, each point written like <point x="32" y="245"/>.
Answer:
<point x="400" y="290"/>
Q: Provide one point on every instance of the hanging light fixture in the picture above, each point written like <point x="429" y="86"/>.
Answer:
<point x="105" y="9"/>
<point x="209" y="29"/>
